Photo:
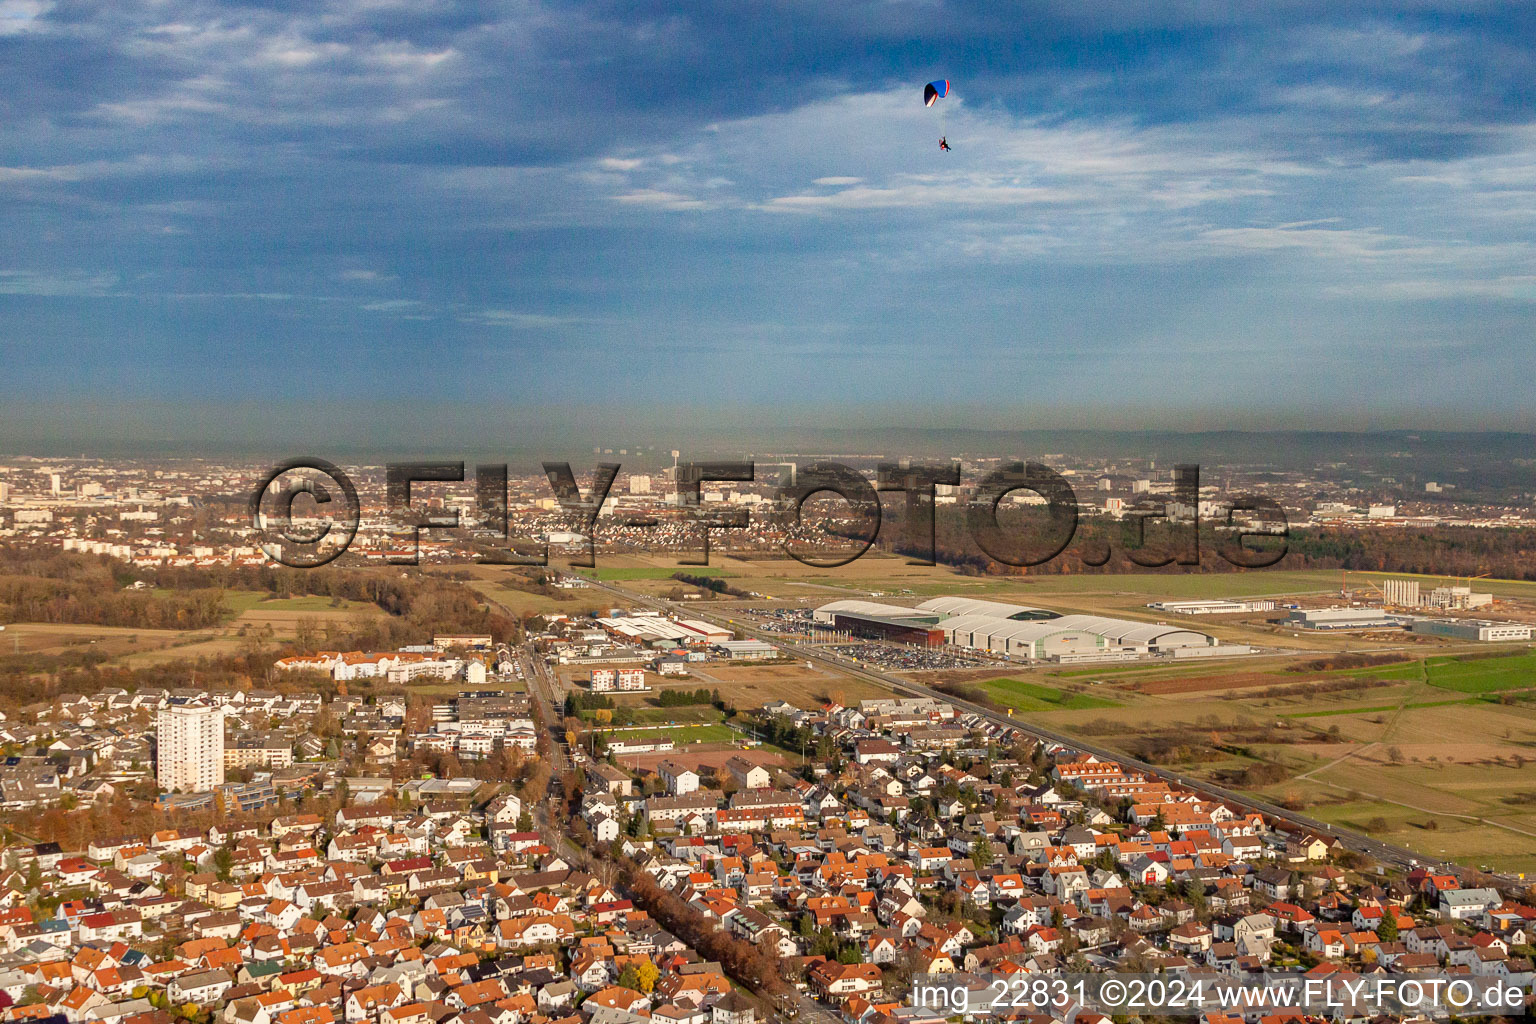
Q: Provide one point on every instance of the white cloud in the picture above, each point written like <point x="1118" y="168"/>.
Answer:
<point x="57" y="283"/>
<point x="1516" y="287"/>
<point x="524" y="319"/>
<point x="660" y="199"/>
<point x="18" y="174"/>
<point x="925" y="193"/>
<point x="18" y="16"/>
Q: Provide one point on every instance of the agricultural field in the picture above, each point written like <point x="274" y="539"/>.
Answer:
<point x="255" y="621"/>
<point x="753" y="685"/>
<point x="490" y="582"/>
<point x="1486" y="675"/>
<point x="243" y="601"/>
<point x="1437" y="754"/>
<point x="64" y="638"/>
<point x="652" y="572"/>
<point x="260" y="620"/>
<point x="518" y="602"/>
<point x="892" y="576"/>
<point x="1023" y="696"/>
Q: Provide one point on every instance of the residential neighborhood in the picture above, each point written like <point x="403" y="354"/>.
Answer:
<point x="723" y="893"/>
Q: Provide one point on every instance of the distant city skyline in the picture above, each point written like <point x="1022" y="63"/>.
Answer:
<point x="270" y="224"/>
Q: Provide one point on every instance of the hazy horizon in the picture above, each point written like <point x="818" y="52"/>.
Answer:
<point x="376" y="433"/>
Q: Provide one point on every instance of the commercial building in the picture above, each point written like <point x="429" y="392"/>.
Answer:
<point x="950" y="606"/>
<point x="699" y="631"/>
<point x="1472" y="629"/>
<point x="871" y="620"/>
<point x="1014" y="631"/>
<point x="647" y="629"/>
<point x="189" y="747"/>
<point x="1343" y="618"/>
<point x="747" y="650"/>
<point x="1068" y="635"/>
<point x="1035" y="633"/>
<point x="1213" y="607"/>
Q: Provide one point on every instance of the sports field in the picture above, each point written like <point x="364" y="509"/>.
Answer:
<point x="682" y="735"/>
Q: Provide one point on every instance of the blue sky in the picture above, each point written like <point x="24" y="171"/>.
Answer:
<point x="1154" y="214"/>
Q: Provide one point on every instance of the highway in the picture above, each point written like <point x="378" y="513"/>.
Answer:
<point x="1384" y="853"/>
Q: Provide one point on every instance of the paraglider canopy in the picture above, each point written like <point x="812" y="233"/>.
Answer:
<point x="935" y="91"/>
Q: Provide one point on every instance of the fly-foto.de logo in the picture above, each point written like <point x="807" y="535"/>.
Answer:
<point x="334" y="513"/>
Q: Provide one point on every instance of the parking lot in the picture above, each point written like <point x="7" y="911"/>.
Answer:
<point x="788" y="622"/>
<point x="901" y="658"/>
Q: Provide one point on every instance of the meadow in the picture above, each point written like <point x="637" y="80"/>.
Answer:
<point x="1021" y="696"/>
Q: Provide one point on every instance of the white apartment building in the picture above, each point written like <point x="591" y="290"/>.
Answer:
<point x="189" y="747"/>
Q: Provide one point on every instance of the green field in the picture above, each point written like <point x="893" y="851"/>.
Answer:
<point x="518" y="602"/>
<point x="1408" y="670"/>
<point x="682" y="735"/>
<point x="1366" y="711"/>
<point x="260" y="600"/>
<point x="1482" y="675"/>
<point x="690" y="714"/>
<point x="1428" y="753"/>
<point x="1022" y="696"/>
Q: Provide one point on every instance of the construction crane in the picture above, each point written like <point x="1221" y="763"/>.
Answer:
<point x="1466" y="581"/>
<point x="1344" y="584"/>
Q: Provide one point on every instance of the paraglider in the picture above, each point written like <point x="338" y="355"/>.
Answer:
<point x="932" y="93"/>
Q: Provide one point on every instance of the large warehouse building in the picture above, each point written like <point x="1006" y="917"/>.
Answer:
<point x="1015" y="631"/>
<point x="873" y="621"/>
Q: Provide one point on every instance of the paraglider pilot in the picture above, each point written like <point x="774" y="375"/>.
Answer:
<point x="944" y="144"/>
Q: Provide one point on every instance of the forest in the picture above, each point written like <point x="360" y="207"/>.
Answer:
<point x="1105" y="546"/>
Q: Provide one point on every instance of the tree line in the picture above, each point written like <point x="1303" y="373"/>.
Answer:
<point x="31" y="599"/>
<point x="1451" y="551"/>
<point x="714" y="584"/>
<point x="746" y="963"/>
